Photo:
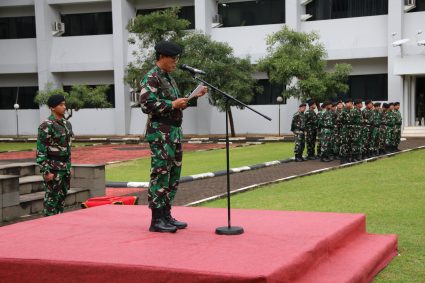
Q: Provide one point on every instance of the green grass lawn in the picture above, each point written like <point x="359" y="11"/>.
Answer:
<point x="390" y="191"/>
<point x="7" y="146"/>
<point x="196" y="162"/>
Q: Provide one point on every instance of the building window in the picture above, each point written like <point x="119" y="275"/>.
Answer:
<point x="249" y="13"/>
<point x="87" y="24"/>
<point x="268" y="95"/>
<point x="420" y="6"/>
<point x="337" y="9"/>
<point x="17" y="27"/>
<point x="110" y="95"/>
<point x="374" y="87"/>
<point x="186" y="13"/>
<point x="25" y="96"/>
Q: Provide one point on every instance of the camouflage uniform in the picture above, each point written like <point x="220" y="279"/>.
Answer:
<point x="389" y="133"/>
<point x="357" y="128"/>
<point x="375" y="136"/>
<point x="164" y="135"/>
<point x="319" y="132"/>
<point x="383" y="131"/>
<point x="399" y="121"/>
<point x="298" y="127"/>
<point x="367" y="144"/>
<point x="337" y="132"/>
<point x="347" y="134"/>
<point x="326" y="125"/>
<point x="311" y="131"/>
<point x="54" y="156"/>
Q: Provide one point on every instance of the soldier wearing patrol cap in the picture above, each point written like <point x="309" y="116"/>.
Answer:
<point x="54" y="155"/>
<point x="162" y="101"/>
<point x="298" y="128"/>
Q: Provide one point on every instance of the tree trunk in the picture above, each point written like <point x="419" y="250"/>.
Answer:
<point x="232" y="125"/>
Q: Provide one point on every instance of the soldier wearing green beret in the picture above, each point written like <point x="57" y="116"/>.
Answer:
<point x="54" y="155"/>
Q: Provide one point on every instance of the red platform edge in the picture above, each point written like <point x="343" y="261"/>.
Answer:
<point x="277" y="246"/>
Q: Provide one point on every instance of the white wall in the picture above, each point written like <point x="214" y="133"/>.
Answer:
<point x="27" y="119"/>
<point x="82" y="53"/>
<point x="93" y="122"/>
<point x="18" y="56"/>
<point x="350" y="38"/>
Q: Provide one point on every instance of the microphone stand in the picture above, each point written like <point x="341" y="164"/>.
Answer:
<point x="229" y="229"/>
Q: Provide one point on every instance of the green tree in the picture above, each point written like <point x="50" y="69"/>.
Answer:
<point x="297" y="60"/>
<point x="224" y="70"/>
<point x="78" y="97"/>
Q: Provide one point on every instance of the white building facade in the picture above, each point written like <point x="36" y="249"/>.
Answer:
<point x="94" y="50"/>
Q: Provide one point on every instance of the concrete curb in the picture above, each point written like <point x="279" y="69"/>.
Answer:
<point x="256" y="186"/>
<point x="200" y="176"/>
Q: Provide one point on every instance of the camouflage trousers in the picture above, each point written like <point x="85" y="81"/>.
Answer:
<point x="366" y="139"/>
<point x="347" y="140"/>
<point x="326" y="142"/>
<point x="374" y="139"/>
<point x="397" y="135"/>
<point x="389" y="136"/>
<point x="382" y="133"/>
<point x="358" y="140"/>
<point x="299" y="143"/>
<point x="336" y="141"/>
<point x="311" y="142"/>
<point x="55" y="193"/>
<point x="166" y="163"/>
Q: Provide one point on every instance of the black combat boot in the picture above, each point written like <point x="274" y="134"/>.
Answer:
<point x="343" y="160"/>
<point x="171" y="220"/>
<point x="159" y="224"/>
<point x="298" y="158"/>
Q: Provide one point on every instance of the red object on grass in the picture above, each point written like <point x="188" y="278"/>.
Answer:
<point x="124" y="200"/>
<point x="111" y="243"/>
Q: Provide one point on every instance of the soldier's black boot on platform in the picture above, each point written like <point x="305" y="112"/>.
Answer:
<point x="159" y="224"/>
<point x="171" y="220"/>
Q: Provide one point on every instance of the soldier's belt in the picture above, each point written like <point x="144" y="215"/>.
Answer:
<point x="167" y="121"/>
<point x="58" y="158"/>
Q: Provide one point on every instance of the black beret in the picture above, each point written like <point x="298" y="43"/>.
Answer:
<point x="390" y="104"/>
<point x="326" y="103"/>
<point x="311" y="102"/>
<point x="396" y="103"/>
<point x="168" y="48"/>
<point x="348" y="100"/>
<point x="385" y="105"/>
<point x="302" y="105"/>
<point x="358" y="101"/>
<point x="335" y="103"/>
<point x="377" y="104"/>
<point x="367" y="101"/>
<point x="55" y="100"/>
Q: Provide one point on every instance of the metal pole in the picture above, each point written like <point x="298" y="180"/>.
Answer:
<point x="279" y="120"/>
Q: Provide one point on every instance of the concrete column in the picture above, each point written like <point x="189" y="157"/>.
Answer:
<point x="293" y="12"/>
<point x="395" y="24"/>
<point x="204" y="12"/>
<point x="45" y="16"/>
<point x="122" y="12"/>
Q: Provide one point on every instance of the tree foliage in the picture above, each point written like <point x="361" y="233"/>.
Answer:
<point x="297" y="60"/>
<point x="78" y="97"/>
<point x="224" y="70"/>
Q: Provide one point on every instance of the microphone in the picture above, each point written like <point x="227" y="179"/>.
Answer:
<point x="191" y="69"/>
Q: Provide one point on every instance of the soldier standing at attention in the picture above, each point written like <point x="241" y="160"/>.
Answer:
<point x="161" y="100"/>
<point x="376" y="121"/>
<point x="311" y="130"/>
<point x="54" y="155"/>
<point x="326" y="131"/>
<point x="298" y="128"/>
<point x="347" y="132"/>
<point x="383" y="129"/>
<point x="367" y="143"/>
<point x="337" y="129"/>
<point x="399" y="121"/>
<point x="320" y="110"/>
<point x="390" y="134"/>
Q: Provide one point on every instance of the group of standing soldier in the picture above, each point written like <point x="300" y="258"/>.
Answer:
<point x="348" y="131"/>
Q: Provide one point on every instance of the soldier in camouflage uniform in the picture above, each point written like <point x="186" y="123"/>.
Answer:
<point x="366" y="133"/>
<point x="383" y="128"/>
<point x="54" y="156"/>
<point x="337" y="129"/>
<point x="311" y="129"/>
<point x="376" y="122"/>
<point x="320" y="110"/>
<point x="298" y="128"/>
<point x="326" y="125"/>
<point x="161" y="100"/>
<point x="357" y="125"/>
<point x="347" y="132"/>
<point x="389" y="133"/>
<point x="399" y="121"/>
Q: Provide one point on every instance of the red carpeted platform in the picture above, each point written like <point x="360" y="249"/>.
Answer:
<point x="111" y="244"/>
